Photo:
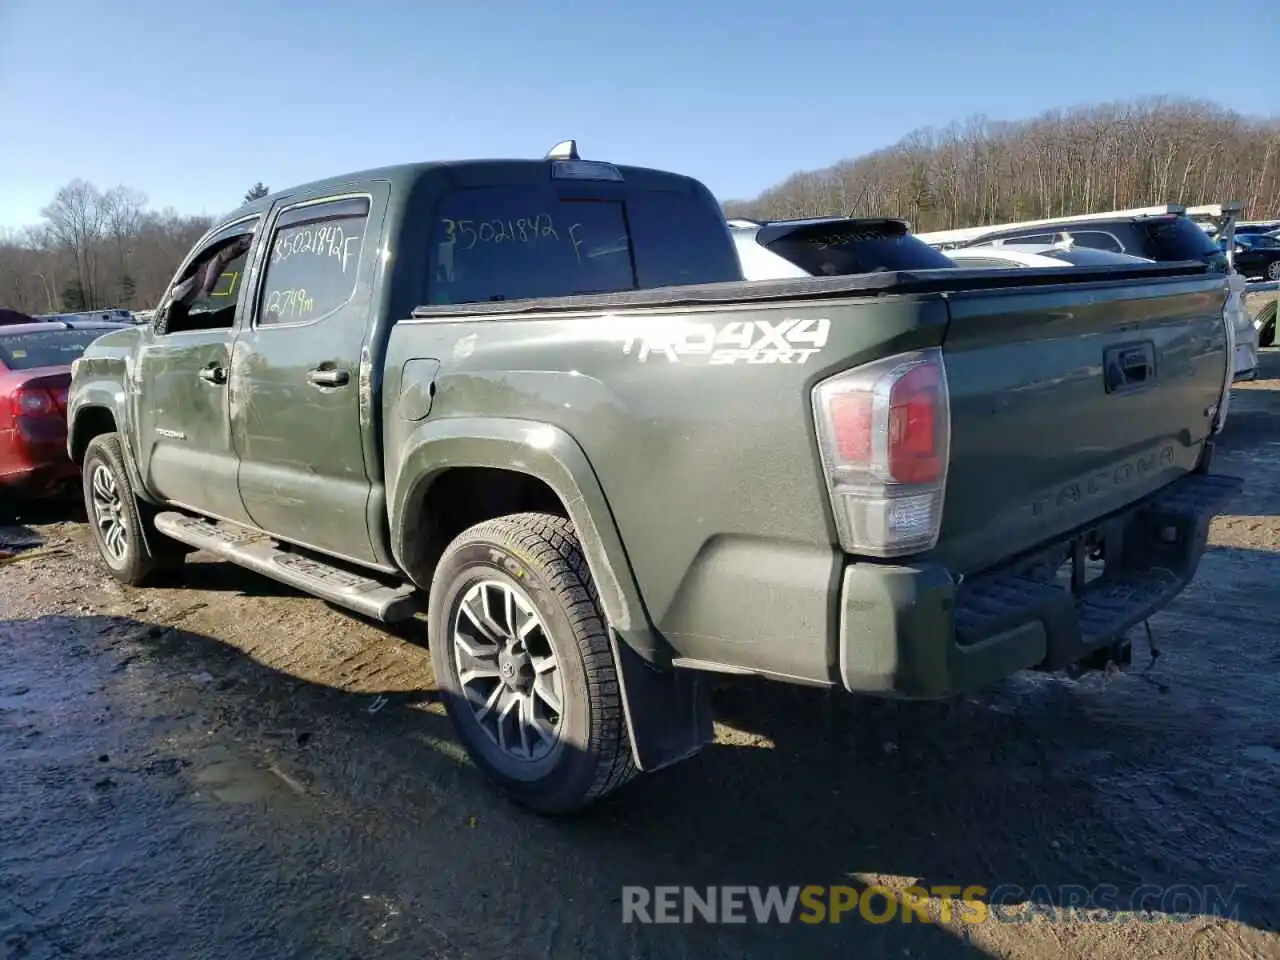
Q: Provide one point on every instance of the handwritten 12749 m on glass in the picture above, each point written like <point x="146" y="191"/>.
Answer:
<point x="312" y="270"/>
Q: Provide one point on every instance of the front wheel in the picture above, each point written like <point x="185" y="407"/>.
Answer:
<point x="128" y="542"/>
<point x="522" y="658"/>
<point x="1273" y="270"/>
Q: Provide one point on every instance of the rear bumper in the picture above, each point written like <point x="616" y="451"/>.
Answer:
<point x="35" y="468"/>
<point x="913" y="632"/>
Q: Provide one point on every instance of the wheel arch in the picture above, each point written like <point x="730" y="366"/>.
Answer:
<point x="96" y="409"/>
<point x="453" y="473"/>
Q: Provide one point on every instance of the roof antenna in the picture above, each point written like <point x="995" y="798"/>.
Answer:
<point x="564" y="150"/>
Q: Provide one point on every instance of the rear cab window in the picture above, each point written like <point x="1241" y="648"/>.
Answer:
<point x="561" y="238"/>
<point x="843" y="248"/>
<point x="44" y="348"/>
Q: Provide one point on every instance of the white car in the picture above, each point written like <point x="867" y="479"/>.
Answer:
<point x="1010" y="255"/>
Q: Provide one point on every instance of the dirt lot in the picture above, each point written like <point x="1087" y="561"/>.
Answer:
<point x="224" y="768"/>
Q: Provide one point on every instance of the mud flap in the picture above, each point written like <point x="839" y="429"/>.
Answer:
<point x="668" y="712"/>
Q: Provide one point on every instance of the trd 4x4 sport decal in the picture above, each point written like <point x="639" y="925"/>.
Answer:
<point x="790" y="340"/>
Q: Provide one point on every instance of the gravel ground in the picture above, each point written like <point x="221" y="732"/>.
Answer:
<point x="225" y="768"/>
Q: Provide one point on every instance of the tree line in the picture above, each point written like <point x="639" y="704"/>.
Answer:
<point x="1081" y="160"/>
<point x="95" y="249"/>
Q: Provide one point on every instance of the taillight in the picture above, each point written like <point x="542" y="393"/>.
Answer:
<point x="884" y="430"/>
<point x="35" y="402"/>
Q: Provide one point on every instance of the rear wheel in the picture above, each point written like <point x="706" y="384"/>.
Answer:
<point x="127" y="540"/>
<point x="1267" y="325"/>
<point x="522" y="658"/>
<point x="1273" y="270"/>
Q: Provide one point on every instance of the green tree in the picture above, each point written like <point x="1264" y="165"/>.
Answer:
<point x="73" y="297"/>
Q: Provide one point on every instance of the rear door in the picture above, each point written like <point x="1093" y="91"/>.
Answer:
<point x="1071" y="401"/>
<point x="297" y="380"/>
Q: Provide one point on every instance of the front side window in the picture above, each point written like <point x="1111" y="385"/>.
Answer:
<point x="512" y="243"/>
<point x="206" y="294"/>
<point x="314" y="261"/>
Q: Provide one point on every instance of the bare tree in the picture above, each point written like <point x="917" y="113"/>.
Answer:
<point x="122" y="213"/>
<point x="256" y="192"/>
<point x="1088" y="159"/>
<point x="93" y="250"/>
<point x="96" y="250"/>
<point x="75" y="219"/>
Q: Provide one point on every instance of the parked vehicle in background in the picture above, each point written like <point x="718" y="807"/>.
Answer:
<point x="1259" y="226"/>
<point x="1033" y="255"/>
<point x="1258" y="255"/>
<point x="829" y="247"/>
<point x="1160" y="237"/>
<point x="1165" y="233"/>
<point x="1265" y="321"/>
<point x="110" y="315"/>
<point x="560" y="422"/>
<point x="35" y="372"/>
<point x="8" y="317"/>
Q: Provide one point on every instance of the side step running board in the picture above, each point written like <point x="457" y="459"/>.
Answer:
<point x="257" y="552"/>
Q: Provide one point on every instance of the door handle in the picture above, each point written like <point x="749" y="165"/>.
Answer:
<point x="213" y="374"/>
<point x="323" y="377"/>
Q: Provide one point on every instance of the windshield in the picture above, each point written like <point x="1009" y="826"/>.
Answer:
<point x="836" y="249"/>
<point x="44" y="348"/>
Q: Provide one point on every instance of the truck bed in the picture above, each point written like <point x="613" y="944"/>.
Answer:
<point x="886" y="283"/>
<point x="706" y="451"/>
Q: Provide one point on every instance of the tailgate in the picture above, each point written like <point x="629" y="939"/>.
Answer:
<point x="1072" y="401"/>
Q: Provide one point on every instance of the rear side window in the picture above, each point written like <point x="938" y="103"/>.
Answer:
<point x="314" y="262"/>
<point x="1038" y="239"/>
<point x="509" y="243"/>
<point x="45" y="348"/>
<point x="1177" y="238"/>
<point x="834" y="250"/>
<point x="1096" y="240"/>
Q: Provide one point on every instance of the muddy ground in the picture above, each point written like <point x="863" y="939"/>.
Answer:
<point x="225" y="768"/>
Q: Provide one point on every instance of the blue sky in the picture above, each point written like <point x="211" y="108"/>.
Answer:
<point x="192" y="103"/>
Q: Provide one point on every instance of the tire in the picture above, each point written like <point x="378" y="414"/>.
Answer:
<point x="1273" y="270"/>
<point x="535" y="559"/>
<point x="1267" y="331"/>
<point x="137" y="551"/>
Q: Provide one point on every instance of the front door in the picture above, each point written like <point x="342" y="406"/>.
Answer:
<point x="296" y="390"/>
<point x="178" y="389"/>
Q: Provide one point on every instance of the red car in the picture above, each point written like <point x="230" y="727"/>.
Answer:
<point x="35" y="371"/>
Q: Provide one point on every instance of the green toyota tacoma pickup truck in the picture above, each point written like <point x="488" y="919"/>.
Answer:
<point x="534" y="402"/>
